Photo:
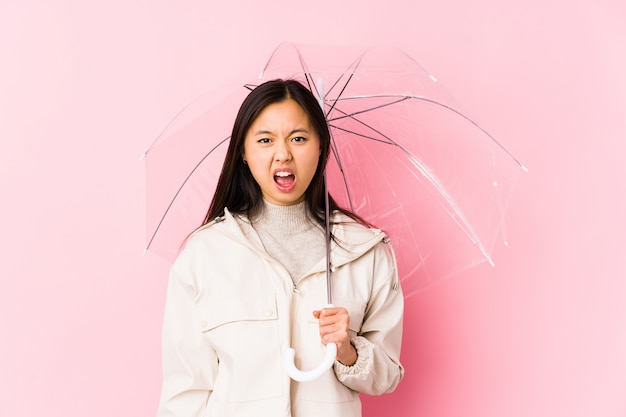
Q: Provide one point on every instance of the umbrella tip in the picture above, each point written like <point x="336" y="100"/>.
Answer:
<point x="524" y="168"/>
<point x="144" y="252"/>
<point x="143" y="156"/>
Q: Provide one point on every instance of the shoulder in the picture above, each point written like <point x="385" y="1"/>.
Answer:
<point x="222" y="234"/>
<point x="211" y="248"/>
<point x="352" y="232"/>
<point x="224" y="226"/>
<point x="354" y="241"/>
<point x="204" y="233"/>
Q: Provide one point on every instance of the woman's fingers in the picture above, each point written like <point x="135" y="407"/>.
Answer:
<point x="334" y="322"/>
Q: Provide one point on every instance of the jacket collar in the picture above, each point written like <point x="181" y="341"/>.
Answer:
<point x="352" y="240"/>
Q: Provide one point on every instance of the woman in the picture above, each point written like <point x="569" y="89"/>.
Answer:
<point x="250" y="282"/>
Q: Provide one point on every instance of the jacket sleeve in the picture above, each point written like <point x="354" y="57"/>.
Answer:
<point x="378" y="369"/>
<point x="189" y="363"/>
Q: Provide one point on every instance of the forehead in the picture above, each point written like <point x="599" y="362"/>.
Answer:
<point x="283" y="114"/>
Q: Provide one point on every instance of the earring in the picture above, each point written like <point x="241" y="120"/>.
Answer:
<point x="244" y="161"/>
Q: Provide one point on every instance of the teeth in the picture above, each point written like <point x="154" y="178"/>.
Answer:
<point x="282" y="174"/>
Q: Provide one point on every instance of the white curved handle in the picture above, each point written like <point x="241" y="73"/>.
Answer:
<point x="303" y="376"/>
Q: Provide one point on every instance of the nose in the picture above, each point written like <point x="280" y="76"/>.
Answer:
<point x="282" y="151"/>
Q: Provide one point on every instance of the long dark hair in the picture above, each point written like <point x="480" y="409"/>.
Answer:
<point x="236" y="188"/>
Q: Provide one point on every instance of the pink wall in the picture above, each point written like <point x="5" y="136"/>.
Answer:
<point x="84" y="89"/>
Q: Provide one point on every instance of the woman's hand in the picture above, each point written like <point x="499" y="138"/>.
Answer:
<point x="333" y="323"/>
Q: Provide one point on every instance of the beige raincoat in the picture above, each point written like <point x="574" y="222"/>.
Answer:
<point x="232" y="311"/>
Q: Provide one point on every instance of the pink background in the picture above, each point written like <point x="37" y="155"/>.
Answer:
<point x="86" y="86"/>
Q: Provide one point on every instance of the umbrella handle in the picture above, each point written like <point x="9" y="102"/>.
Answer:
<point x="305" y="376"/>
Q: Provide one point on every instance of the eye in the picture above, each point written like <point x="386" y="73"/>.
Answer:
<point x="263" y="140"/>
<point x="299" y="139"/>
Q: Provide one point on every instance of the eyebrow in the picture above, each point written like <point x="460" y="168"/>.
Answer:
<point x="267" y="132"/>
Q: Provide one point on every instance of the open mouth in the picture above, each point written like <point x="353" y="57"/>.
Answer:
<point x="285" y="180"/>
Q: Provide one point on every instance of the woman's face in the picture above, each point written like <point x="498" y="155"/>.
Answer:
<point x="282" y="150"/>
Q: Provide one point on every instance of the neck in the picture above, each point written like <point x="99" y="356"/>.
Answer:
<point x="291" y="218"/>
<point x="290" y="236"/>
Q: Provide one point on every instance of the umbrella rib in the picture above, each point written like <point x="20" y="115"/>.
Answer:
<point x="351" y="69"/>
<point x="332" y="107"/>
<point x="403" y="97"/>
<point x="354" y="65"/>
<point x="336" y="83"/>
<point x="156" y="230"/>
<point x="464" y="223"/>
<point x="335" y="152"/>
<point x="426" y="172"/>
<point x="401" y="212"/>
<point x="310" y="83"/>
<point x="171" y="123"/>
<point x="313" y="88"/>
<point x="363" y="135"/>
<point x="380" y="106"/>
<point x="267" y="64"/>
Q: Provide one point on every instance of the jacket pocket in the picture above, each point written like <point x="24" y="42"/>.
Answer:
<point x="218" y="313"/>
<point x="243" y="331"/>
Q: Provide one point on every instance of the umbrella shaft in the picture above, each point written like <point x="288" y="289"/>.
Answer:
<point x="329" y="286"/>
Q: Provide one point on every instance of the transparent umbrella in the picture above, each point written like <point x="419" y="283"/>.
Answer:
<point x="403" y="156"/>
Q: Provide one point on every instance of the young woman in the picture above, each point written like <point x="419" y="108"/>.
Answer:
<point x="250" y="283"/>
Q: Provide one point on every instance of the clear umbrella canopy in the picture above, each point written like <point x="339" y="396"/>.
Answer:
<point x="403" y="156"/>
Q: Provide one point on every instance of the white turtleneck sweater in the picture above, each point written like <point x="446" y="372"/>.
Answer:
<point x="291" y="237"/>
